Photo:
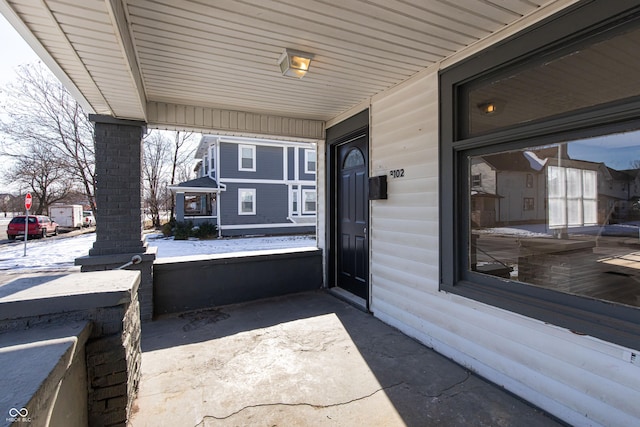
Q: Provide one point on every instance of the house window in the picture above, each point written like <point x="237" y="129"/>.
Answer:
<point x="246" y="201"/>
<point x="559" y="263"/>
<point x="212" y="161"/>
<point x="309" y="201"/>
<point x="199" y="204"/>
<point x="294" y="201"/>
<point x="529" y="182"/>
<point x="310" y="161"/>
<point x="247" y="158"/>
<point x="476" y="180"/>
<point x="528" y="204"/>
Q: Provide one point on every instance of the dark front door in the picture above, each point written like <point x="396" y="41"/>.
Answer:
<point x="352" y="216"/>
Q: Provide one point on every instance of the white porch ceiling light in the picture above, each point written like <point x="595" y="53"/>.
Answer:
<point x="294" y="63"/>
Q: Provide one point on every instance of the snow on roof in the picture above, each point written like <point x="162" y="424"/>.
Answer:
<point x="535" y="162"/>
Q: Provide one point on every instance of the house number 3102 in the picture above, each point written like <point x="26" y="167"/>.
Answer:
<point x="396" y="173"/>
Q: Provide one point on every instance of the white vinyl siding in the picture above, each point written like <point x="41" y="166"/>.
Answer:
<point x="577" y="378"/>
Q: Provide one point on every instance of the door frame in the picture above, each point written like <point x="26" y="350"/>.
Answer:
<point x="351" y="128"/>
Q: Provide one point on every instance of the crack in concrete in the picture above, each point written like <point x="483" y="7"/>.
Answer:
<point x="312" y="405"/>
<point x="446" y="389"/>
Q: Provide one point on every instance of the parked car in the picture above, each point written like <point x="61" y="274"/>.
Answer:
<point x="88" y="219"/>
<point x="39" y="226"/>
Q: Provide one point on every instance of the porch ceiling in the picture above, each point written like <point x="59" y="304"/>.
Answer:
<point x="153" y="60"/>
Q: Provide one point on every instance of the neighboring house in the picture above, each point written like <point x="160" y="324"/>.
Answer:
<point x="521" y="187"/>
<point x="251" y="186"/>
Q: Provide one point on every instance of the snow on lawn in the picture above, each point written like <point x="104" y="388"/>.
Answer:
<point x="168" y="248"/>
<point x="56" y="254"/>
<point x="53" y="254"/>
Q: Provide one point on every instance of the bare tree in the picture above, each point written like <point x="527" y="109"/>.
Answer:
<point x="47" y="178"/>
<point x="40" y="113"/>
<point x="180" y="157"/>
<point x="154" y="168"/>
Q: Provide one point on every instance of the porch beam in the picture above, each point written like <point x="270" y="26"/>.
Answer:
<point x="169" y="116"/>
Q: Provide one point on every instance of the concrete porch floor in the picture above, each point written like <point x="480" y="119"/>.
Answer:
<point x="307" y="360"/>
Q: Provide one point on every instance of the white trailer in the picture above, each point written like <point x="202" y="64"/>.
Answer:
<point x="67" y="216"/>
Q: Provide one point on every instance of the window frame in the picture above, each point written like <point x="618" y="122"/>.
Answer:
<point x="295" y="202"/>
<point x="253" y="157"/>
<point x="306" y="161"/>
<point x="254" y="204"/>
<point x="578" y="24"/>
<point x="304" y="204"/>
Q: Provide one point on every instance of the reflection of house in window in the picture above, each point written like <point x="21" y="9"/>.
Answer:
<point x="476" y="180"/>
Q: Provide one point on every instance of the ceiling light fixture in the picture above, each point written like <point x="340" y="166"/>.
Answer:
<point x="294" y="63"/>
<point x="488" y="108"/>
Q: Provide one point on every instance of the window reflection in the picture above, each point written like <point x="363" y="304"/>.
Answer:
<point x="564" y="216"/>
<point x="558" y="86"/>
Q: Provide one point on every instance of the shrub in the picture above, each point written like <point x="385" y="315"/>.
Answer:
<point x="182" y="230"/>
<point x="186" y="229"/>
<point x="167" y="227"/>
<point x="205" y="230"/>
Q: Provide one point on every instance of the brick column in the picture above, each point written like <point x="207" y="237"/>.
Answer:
<point x="119" y="192"/>
<point x="118" y="146"/>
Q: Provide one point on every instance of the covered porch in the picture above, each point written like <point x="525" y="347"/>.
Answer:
<point x="307" y="359"/>
<point x="197" y="200"/>
<point x="385" y="82"/>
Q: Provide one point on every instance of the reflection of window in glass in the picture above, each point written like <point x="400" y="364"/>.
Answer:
<point x="529" y="180"/>
<point x="572" y="197"/>
<point x="528" y="204"/>
<point x="247" y="158"/>
<point x="309" y="201"/>
<point x="309" y="161"/>
<point x="353" y="159"/>
<point x="576" y="244"/>
<point x="556" y="86"/>
<point x="476" y="180"/>
<point x="246" y="201"/>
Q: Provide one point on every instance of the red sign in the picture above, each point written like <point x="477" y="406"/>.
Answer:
<point x="27" y="201"/>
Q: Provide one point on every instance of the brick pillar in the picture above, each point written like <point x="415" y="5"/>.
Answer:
<point x="119" y="191"/>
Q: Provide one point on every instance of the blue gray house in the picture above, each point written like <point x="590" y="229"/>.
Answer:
<point x="251" y="186"/>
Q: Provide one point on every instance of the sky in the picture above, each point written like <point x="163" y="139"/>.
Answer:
<point x="617" y="151"/>
<point x="15" y="51"/>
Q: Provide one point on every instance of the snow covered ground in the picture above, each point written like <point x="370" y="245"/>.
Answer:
<point x="58" y="254"/>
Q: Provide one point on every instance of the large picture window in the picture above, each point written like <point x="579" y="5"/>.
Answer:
<point x="540" y="169"/>
<point x="575" y="239"/>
